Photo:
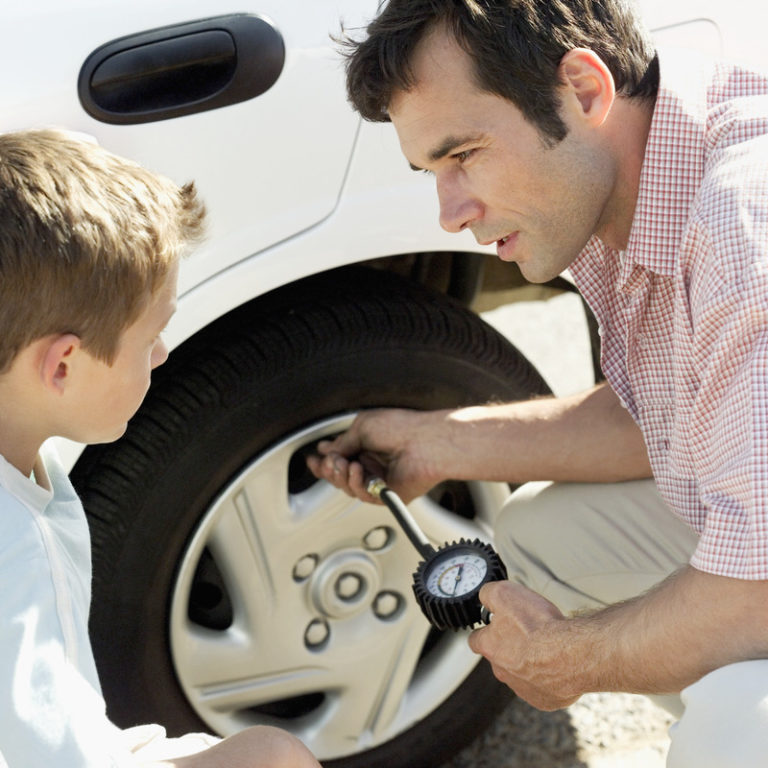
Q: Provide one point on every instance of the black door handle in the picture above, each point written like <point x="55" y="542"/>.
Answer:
<point x="181" y="69"/>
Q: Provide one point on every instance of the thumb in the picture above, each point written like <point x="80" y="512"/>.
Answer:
<point x="345" y="444"/>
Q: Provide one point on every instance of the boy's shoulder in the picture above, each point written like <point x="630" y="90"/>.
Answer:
<point x="14" y="484"/>
<point x="25" y="500"/>
<point x="22" y="543"/>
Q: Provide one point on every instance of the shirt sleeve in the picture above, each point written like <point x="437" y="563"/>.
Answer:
<point x="729" y="423"/>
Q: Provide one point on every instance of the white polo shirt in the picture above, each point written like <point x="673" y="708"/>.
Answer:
<point x="52" y="712"/>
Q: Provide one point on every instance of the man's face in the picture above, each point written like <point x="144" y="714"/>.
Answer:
<point x="494" y="174"/>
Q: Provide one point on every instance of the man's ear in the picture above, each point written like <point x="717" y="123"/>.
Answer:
<point x="56" y="360"/>
<point x="585" y="75"/>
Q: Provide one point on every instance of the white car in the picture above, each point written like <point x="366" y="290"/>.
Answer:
<point x="230" y="588"/>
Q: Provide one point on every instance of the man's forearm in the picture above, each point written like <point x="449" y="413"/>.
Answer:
<point x="689" y="625"/>
<point x="588" y="437"/>
<point x="584" y="438"/>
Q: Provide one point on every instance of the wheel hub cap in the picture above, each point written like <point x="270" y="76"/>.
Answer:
<point x="345" y="584"/>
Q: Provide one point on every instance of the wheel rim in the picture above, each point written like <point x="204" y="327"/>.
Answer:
<point x="293" y="607"/>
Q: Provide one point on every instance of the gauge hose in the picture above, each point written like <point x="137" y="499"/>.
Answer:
<point x="377" y="488"/>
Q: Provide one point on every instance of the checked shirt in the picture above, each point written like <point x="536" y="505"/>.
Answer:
<point x="683" y="311"/>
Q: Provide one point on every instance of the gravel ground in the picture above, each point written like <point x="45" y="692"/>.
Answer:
<point x="602" y="730"/>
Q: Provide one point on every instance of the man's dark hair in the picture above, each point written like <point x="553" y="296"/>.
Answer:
<point x="516" y="47"/>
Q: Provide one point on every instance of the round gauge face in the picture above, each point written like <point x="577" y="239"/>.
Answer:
<point x="456" y="574"/>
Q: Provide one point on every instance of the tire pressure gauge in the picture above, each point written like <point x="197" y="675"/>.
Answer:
<point x="447" y="581"/>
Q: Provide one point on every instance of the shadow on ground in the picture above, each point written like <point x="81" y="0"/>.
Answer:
<point x="524" y="737"/>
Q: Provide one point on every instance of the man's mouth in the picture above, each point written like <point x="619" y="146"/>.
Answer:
<point x="506" y="246"/>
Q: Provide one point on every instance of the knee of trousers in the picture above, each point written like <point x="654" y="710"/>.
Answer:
<point x="524" y="525"/>
<point x="725" y="722"/>
<point x="584" y="545"/>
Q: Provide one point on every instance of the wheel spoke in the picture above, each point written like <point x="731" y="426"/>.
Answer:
<point x="233" y="660"/>
<point x="238" y="547"/>
<point x="376" y="677"/>
<point x="212" y="657"/>
<point x="261" y="687"/>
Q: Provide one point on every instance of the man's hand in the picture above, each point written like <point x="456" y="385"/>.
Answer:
<point x="526" y="645"/>
<point x="402" y="447"/>
<point x="658" y="642"/>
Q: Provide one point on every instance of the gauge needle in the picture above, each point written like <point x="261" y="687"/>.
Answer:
<point x="458" y="578"/>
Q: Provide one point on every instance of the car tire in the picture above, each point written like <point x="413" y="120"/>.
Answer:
<point x="237" y="407"/>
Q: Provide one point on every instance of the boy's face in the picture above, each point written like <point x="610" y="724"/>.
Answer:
<point x="110" y="395"/>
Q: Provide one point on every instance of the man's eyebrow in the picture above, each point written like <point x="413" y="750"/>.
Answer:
<point x="449" y="145"/>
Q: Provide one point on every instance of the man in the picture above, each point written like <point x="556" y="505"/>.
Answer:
<point x="554" y="131"/>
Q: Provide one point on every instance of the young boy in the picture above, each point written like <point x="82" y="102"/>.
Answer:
<point x="89" y="252"/>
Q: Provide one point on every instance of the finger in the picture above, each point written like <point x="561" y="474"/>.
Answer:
<point x="489" y="594"/>
<point x="324" y="447"/>
<point x="503" y="676"/>
<point x="347" y="476"/>
<point x="358" y="478"/>
<point x="478" y="641"/>
<point x="373" y="466"/>
<point x="347" y="443"/>
<point x="314" y="463"/>
<point x="332" y="467"/>
<point x="322" y="462"/>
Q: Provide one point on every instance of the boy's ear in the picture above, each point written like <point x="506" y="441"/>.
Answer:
<point x="587" y="77"/>
<point x="56" y="362"/>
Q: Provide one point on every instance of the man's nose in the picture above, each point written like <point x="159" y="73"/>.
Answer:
<point x="458" y="208"/>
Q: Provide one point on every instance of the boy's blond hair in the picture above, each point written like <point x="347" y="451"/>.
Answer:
<point x="86" y="237"/>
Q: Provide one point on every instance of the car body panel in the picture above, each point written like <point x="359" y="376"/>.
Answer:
<point x="294" y="182"/>
<point x="268" y="168"/>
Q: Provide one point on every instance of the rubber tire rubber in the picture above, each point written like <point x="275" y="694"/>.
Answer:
<point x="346" y="340"/>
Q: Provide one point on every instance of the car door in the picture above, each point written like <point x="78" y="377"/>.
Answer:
<point x="269" y="166"/>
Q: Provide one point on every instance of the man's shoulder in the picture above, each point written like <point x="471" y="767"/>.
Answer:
<point x="701" y="93"/>
<point x="734" y="186"/>
<point x="737" y="115"/>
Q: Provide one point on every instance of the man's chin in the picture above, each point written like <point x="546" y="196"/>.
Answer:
<point x="534" y="274"/>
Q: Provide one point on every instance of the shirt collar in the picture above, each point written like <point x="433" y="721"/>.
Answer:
<point x="25" y="488"/>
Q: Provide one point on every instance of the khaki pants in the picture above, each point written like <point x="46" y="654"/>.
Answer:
<point x="590" y="545"/>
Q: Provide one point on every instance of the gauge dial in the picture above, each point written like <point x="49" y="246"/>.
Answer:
<point x="456" y="574"/>
<point x="446" y="584"/>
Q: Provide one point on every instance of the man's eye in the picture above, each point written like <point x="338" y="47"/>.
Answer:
<point x="464" y="155"/>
